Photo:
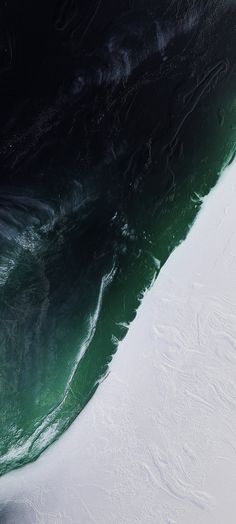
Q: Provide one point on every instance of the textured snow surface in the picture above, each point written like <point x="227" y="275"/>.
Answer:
<point x="157" y="442"/>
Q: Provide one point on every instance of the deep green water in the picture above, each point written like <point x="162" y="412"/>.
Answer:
<point x="103" y="172"/>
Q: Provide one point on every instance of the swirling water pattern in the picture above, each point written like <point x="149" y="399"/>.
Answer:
<point x="116" y="120"/>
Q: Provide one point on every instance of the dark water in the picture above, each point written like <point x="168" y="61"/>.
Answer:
<point x="117" y="117"/>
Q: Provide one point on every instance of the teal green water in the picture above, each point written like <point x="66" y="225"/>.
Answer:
<point x="101" y="178"/>
<point x="90" y="343"/>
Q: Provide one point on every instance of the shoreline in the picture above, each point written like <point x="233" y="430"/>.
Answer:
<point x="156" y="441"/>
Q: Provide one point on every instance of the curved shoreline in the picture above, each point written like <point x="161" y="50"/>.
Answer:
<point x="158" y="438"/>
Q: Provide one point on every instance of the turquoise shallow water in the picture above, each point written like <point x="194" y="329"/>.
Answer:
<point x="104" y="164"/>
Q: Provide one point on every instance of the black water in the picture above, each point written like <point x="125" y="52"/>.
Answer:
<point x="113" y="116"/>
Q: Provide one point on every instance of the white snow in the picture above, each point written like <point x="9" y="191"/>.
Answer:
<point x="157" y="442"/>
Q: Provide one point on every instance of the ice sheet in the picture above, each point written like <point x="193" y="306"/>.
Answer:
<point x="157" y="442"/>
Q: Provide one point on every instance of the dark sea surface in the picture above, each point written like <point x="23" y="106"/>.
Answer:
<point x="117" y="117"/>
